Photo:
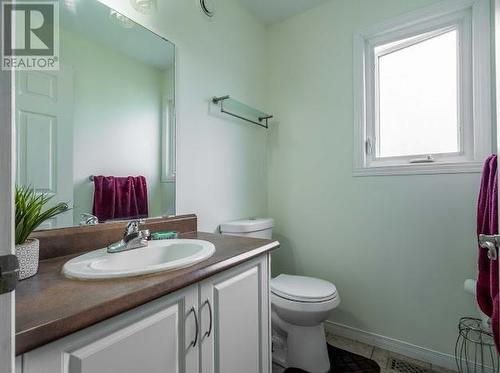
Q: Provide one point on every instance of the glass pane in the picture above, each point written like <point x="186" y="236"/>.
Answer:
<point x="243" y="111"/>
<point x="418" y="93"/>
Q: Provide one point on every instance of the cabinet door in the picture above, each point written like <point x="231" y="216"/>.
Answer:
<point x="19" y="364"/>
<point x="153" y="338"/>
<point x="235" y="324"/>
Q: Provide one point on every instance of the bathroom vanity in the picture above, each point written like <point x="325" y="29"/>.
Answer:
<point x="115" y="135"/>
<point x="211" y="317"/>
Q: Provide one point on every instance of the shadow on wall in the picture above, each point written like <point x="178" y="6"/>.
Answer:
<point x="341" y="314"/>
<point x="283" y="257"/>
<point x="284" y="261"/>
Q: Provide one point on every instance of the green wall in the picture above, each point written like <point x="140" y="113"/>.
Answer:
<point x="398" y="248"/>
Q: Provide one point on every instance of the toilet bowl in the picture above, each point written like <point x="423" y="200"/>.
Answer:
<point x="299" y="306"/>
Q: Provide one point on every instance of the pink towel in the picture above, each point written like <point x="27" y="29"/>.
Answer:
<point x="487" y="223"/>
<point x="120" y="197"/>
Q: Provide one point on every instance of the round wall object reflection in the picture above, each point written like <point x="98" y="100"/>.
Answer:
<point x="208" y="7"/>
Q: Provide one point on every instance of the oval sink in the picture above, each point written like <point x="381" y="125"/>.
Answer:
<point x="158" y="256"/>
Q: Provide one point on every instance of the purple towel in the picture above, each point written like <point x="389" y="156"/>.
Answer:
<point x="120" y="197"/>
<point x="487" y="223"/>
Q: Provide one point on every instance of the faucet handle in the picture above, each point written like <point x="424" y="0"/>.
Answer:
<point x="133" y="226"/>
<point x="88" y="219"/>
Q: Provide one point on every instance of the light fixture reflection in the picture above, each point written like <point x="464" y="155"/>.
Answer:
<point x="120" y="20"/>
<point x="70" y="5"/>
<point x="144" y="6"/>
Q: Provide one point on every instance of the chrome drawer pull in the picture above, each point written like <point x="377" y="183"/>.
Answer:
<point x="195" y="341"/>
<point x="209" y="331"/>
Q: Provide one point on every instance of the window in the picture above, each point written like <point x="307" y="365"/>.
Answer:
<point x="422" y="92"/>
<point x="417" y="97"/>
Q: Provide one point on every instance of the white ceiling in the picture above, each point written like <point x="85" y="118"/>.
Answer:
<point x="272" y="11"/>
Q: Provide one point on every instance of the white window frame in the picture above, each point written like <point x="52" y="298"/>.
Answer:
<point x="471" y="19"/>
<point x="168" y="142"/>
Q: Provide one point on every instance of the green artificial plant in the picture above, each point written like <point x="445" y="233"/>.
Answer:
<point x="31" y="211"/>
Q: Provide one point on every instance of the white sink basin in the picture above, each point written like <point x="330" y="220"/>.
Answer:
<point x="162" y="255"/>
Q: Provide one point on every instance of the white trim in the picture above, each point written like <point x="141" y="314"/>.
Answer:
<point x="477" y="144"/>
<point x="394" y="345"/>
<point x="168" y="141"/>
<point x="420" y="169"/>
<point x="391" y="344"/>
<point x="7" y="167"/>
<point x="460" y="22"/>
<point x="481" y="62"/>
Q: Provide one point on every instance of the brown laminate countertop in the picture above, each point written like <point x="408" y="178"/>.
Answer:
<point x="50" y="306"/>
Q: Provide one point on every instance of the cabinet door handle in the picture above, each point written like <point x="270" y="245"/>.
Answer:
<point x="209" y="331"/>
<point x="195" y="341"/>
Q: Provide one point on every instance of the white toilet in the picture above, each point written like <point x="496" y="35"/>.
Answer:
<point x="299" y="307"/>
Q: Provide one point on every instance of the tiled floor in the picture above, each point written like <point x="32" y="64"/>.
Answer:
<point x="381" y="356"/>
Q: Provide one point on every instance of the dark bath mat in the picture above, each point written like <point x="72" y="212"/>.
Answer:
<point x="345" y="362"/>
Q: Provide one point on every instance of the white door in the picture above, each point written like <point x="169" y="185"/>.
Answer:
<point x="44" y="121"/>
<point x="7" y="323"/>
<point x="235" y="325"/>
<point x="157" y="337"/>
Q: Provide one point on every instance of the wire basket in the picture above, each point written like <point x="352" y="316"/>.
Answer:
<point x="475" y="350"/>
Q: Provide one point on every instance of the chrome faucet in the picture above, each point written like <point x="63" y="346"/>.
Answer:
<point x="133" y="238"/>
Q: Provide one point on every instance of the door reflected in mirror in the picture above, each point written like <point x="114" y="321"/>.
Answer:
<point x="100" y="132"/>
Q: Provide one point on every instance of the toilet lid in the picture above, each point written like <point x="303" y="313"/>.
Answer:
<point x="303" y="289"/>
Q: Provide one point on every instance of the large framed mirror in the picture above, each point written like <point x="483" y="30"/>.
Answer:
<point x="99" y="133"/>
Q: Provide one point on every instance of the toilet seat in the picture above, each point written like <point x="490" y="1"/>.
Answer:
<point x="303" y="289"/>
<point x="304" y="307"/>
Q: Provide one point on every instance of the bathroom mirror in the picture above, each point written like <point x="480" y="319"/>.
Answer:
<point x="108" y="111"/>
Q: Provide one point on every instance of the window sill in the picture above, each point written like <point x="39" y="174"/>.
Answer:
<point x="420" y="169"/>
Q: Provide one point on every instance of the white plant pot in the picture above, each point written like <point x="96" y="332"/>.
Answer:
<point x="27" y="255"/>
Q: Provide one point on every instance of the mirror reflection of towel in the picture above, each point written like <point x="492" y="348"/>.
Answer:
<point x="120" y="197"/>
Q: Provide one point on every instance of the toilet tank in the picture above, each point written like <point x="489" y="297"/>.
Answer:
<point x="255" y="227"/>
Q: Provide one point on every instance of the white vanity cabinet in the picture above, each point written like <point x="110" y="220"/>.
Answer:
<point x="220" y="325"/>
<point x="152" y="338"/>
<point x="19" y="364"/>
<point x="236" y="338"/>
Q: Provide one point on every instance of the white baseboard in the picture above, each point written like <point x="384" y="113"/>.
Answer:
<point x="394" y="345"/>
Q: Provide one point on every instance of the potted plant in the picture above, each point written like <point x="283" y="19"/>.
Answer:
<point x="31" y="211"/>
